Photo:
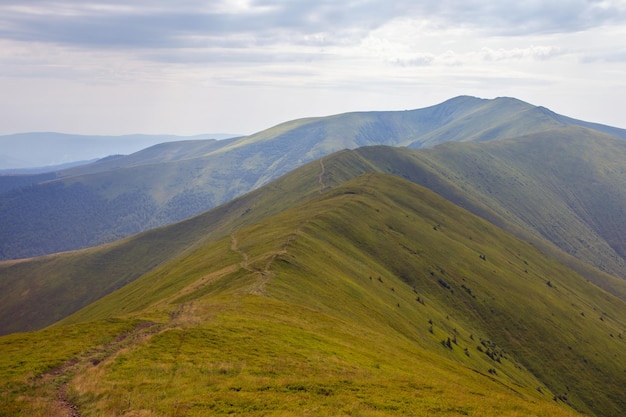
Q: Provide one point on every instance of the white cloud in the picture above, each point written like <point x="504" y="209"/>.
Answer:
<point x="532" y="52"/>
<point x="320" y="57"/>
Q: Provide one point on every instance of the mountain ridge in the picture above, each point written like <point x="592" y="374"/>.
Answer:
<point x="196" y="178"/>
<point x="117" y="264"/>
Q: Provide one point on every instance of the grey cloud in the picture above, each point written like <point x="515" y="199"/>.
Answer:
<point x="163" y="30"/>
<point x="233" y="56"/>
<point x="197" y="23"/>
<point x="150" y="26"/>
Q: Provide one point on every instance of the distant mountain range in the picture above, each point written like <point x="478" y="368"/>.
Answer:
<point x="39" y="151"/>
<point x="116" y="197"/>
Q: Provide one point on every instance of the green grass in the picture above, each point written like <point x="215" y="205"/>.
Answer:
<point x="563" y="186"/>
<point x="560" y="190"/>
<point x="267" y="357"/>
<point x="396" y="239"/>
<point x="33" y="365"/>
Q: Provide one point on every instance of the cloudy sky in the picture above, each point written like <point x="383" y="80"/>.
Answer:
<point x="239" y="66"/>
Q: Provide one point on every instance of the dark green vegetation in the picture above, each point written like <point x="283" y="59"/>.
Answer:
<point x="117" y="197"/>
<point x="376" y="297"/>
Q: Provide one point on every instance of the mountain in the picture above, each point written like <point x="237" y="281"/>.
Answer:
<point x="114" y="198"/>
<point x="562" y="191"/>
<point x="372" y="297"/>
<point x="47" y="149"/>
<point x="57" y="285"/>
<point x="499" y="119"/>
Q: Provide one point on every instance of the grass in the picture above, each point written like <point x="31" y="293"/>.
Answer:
<point x="563" y="186"/>
<point x="33" y="365"/>
<point x="268" y="357"/>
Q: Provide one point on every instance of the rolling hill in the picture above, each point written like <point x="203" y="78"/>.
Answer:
<point x="117" y="197"/>
<point x="509" y="183"/>
<point x="373" y="297"/>
<point x="565" y="186"/>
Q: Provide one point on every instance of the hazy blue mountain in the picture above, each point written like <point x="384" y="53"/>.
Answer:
<point x="44" y="149"/>
<point x="46" y="169"/>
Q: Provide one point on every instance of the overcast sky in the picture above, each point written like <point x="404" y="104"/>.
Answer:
<point x="239" y="66"/>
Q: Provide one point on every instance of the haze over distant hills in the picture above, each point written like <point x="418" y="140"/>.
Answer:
<point x="113" y="198"/>
<point x="24" y="151"/>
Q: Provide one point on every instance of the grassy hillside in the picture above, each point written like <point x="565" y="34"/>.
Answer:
<point x="375" y="298"/>
<point x="544" y="189"/>
<point x="114" y="198"/>
<point x="564" y="186"/>
<point x="57" y="285"/>
<point x="561" y="189"/>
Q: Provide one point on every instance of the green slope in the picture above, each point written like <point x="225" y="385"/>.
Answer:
<point x="564" y="186"/>
<point x="57" y="285"/>
<point x="375" y="298"/>
<point x="548" y="189"/>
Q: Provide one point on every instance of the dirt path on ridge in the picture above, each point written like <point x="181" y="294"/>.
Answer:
<point x="265" y="274"/>
<point x="320" y="178"/>
<point x="234" y="246"/>
<point x="63" y="402"/>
